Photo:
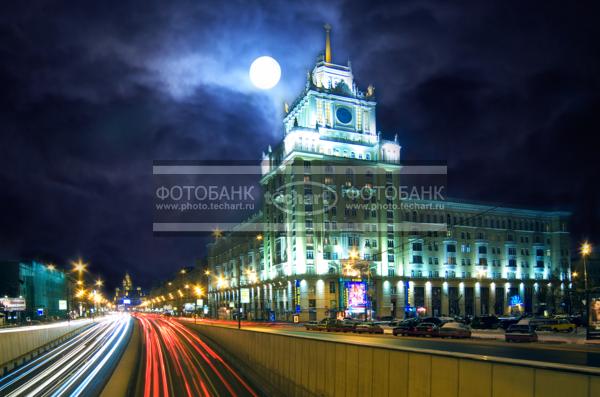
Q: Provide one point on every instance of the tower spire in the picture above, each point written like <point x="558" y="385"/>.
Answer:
<point x="327" y="43"/>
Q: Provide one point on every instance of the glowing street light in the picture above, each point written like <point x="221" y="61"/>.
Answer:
<point x="79" y="266"/>
<point x="51" y="267"/>
<point x="586" y="250"/>
<point x="221" y="282"/>
<point x="99" y="283"/>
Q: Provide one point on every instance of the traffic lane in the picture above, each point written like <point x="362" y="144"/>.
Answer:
<point x="493" y="349"/>
<point x="79" y="366"/>
<point x="178" y="362"/>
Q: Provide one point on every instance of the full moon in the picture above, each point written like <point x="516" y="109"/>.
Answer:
<point x="265" y="73"/>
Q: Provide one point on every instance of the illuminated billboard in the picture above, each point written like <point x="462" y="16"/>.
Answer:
<point x="594" y="317"/>
<point x="355" y="293"/>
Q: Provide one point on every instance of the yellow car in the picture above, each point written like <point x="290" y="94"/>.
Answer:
<point x="556" y="325"/>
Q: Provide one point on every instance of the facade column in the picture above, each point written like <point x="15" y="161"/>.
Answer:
<point x="428" y="303"/>
<point x="477" y="299"/>
<point x="445" y="300"/>
<point x="461" y="302"/>
<point x="492" y="303"/>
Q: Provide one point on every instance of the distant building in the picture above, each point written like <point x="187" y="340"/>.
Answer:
<point x="127" y="296"/>
<point x="43" y="288"/>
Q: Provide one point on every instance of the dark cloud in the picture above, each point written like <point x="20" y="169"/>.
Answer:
<point x="92" y="93"/>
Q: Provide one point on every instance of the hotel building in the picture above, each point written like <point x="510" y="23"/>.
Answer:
<point x="347" y="229"/>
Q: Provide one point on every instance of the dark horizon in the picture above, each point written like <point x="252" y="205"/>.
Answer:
<point x="507" y="94"/>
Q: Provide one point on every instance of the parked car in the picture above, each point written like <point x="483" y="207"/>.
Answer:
<point x="424" y="329"/>
<point x="520" y="333"/>
<point x="404" y="326"/>
<point x="454" y="330"/>
<point x="505" y="322"/>
<point x="316" y="325"/>
<point x="436" y="320"/>
<point x="368" y="327"/>
<point x="340" y="326"/>
<point x="538" y="324"/>
<point x="485" y="322"/>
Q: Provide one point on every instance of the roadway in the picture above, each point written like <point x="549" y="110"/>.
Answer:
<point x="570" y="355"/>
<point x="78" y="367"/>
<point x="177" y="362"/>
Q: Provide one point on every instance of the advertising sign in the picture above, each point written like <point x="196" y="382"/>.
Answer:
<point x="12" y="304"/>
<point x="297" y="296"/>
<point x="200" y="302"/>
<point x="594" y="317"/>
<point x="355" y="293"/>
<point x="245" y="295"/>
<point x="62" y="304"/>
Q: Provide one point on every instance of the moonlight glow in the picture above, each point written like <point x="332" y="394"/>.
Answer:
<point x="265" y="72"/>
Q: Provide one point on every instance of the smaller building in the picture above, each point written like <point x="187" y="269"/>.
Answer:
<point x="128" y="296"/>
<point x="32" y="291"/>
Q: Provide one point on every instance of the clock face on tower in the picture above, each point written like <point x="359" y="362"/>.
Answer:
<point x="344" y="115"/>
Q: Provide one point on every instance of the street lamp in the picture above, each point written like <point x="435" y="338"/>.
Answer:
<point x="79" y="266"/>
<point x="207" y="274"/>
<point x="586" y="250"/>
<point x="198" y="291"/>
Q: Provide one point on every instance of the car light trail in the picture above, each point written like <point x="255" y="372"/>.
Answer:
<point x="178" y="362"/>
<point x="72" y="368"/>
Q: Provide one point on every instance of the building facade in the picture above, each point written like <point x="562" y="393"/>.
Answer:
<point x="127" y="296"/>
<point x="347" y="229"/>
<point x="44" y="289"/>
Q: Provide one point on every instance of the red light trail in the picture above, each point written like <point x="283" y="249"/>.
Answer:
<point x="178" y="362"/>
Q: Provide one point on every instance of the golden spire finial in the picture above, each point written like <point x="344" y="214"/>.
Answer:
<point x="327" y="43"/>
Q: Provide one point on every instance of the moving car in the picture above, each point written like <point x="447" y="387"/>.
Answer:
<point x="404" y="326"/>
<point x="520" y="333"/>
<point x="316" y="325"/>
<point x="454" y="330"/>
<point x="368" y="327"/>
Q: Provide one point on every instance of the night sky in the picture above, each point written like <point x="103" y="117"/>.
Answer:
<point x="91" y="94"/>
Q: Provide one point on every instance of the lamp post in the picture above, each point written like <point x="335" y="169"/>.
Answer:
<point x="239" y="294"/>
<point x="586" y="249"/>
<point x="207" y="274"/>
<point x="198" y="292"/>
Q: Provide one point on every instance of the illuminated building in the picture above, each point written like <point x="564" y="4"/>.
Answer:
<point x="41" y="286"/>
<point x="411" y="254"/>
<point x="128" y="295"/>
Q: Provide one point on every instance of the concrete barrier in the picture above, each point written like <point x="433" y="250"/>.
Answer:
<point x="21" y="344"/>
<point x="299" y="366"/>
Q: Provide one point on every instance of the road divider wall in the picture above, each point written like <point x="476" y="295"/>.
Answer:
<point x="303" y="366"/>
<point x="21" y="344"/>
